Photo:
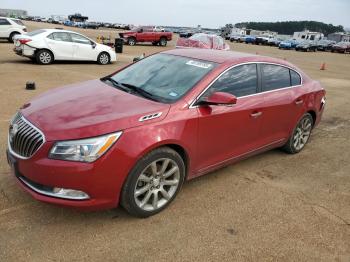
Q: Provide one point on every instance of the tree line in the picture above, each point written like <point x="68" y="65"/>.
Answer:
<point x="289" y="27"/>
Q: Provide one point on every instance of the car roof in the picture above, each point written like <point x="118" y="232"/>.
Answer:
<point x="216" y="56"/>
<point x="224" y="56"/>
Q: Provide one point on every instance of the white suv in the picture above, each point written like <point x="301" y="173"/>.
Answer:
<point x="9" y="27"/>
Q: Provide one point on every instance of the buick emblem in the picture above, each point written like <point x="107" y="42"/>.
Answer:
<point x="13" y="131"/>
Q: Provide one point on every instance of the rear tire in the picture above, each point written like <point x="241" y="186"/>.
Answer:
<point x="103" y="58"/>
<point x="44" y="57"/>
<point x="163" y="41"/>
<point x="300" y="135"/>
<point x="153" y="183"/>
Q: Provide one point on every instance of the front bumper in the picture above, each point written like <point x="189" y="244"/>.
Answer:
<point x="99" y="180"/>
<point x="113" y="56"/>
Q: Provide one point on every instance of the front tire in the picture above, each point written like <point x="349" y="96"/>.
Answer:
<point x="103" y="58"/>
<point x="44" y="57"/>
<point x="131" y="41"/>
<point x="153" y="183"/>
<point x="300" y="135"/>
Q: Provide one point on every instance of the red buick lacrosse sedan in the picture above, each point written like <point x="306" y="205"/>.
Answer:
<point x="133" y="137"/>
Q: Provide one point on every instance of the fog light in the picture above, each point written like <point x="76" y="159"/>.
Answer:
<point x="69" y="193"/>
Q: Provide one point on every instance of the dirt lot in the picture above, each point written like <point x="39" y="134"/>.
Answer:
<point x="270" y="207"/>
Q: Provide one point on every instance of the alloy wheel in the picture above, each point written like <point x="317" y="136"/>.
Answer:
<point x="302" y="133"/>
<point x="157" y="184"/>
<point x="104" y="59"/>
<point x="45" y="58"/>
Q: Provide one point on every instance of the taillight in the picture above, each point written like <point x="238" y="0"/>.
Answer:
<point x="24" y="41"/>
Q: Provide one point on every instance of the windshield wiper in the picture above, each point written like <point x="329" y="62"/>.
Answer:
<point x="115" y="83"/>
<point x="140" y="91"/>
<point x="130" y="88"/>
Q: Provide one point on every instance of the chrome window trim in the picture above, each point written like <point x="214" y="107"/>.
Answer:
<point x="247" y="63"/>
<point x="31" y="125"/>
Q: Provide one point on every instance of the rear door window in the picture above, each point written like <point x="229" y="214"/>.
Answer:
<point x="61" y="36"/>
<point x="4" y="21"/>
<point x="274" y="77"/>
<point x="295" y="78"/>
<point x="239" y="81"/>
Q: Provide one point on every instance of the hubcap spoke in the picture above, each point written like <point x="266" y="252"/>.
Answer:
<point x="164" y="166"/>
<point x="171" y="172"/>
<point x="144" y="178"/>
<point x="170" y="182"/>
<point x="165" y="194"/>
<point x="154" y="168"/>
<point x="142" y="190"/>
<point x="155" y="200"/>
<point x="146" y="198"/>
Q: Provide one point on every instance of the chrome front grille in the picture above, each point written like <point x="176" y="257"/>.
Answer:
<point x="24" y="138"/>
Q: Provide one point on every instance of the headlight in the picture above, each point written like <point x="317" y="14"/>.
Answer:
<point x="84" y="150"/>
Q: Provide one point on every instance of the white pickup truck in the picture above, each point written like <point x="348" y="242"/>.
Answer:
<point x="10" y="27"/>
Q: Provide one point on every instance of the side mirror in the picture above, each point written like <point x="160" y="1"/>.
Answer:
<point x="93" y="44"/>
<point x="219" y="98"/>
<point x="140" y="30"/>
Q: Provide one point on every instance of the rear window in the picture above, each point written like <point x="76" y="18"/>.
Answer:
<point x="19" y="22"/>
<point x="36" y="32"/>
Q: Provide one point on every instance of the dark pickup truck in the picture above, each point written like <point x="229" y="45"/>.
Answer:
<point x="146" y="34"/>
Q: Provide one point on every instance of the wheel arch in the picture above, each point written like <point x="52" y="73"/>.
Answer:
<point x="314" y="116"/>
<point x="176" y="146"/>
<point x="47" y="49"/>
<point x="14" y="32"/>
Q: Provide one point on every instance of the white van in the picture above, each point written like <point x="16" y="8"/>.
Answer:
<point x="9" y="27"/>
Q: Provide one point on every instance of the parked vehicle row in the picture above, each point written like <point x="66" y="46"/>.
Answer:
<point x="48" y="45"/>
<point x="306" y="45"/>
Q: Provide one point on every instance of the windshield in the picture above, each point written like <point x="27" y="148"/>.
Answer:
<point x="165" y="77"/>
<point x="36" y="32"/>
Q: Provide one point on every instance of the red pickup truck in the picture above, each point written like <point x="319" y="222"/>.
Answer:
<point x="146" y="34"/>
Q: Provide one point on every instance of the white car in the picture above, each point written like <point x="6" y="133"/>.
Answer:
<point x="47" y="45"/>
<point x="10" y="27"/>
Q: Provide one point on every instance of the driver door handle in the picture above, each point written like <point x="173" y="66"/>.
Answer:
<point x="256" y="114"/>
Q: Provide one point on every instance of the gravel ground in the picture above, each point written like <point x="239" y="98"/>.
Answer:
<point x="271" y="207"/>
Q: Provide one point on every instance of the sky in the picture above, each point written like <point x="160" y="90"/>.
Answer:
<point x="213" y="13"/>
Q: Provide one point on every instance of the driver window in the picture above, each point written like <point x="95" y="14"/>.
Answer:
<point x="239" y="81"/>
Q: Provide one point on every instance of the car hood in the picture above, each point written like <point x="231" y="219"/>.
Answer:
<point x="89" y="109"/>
<point x="127" y="33"/>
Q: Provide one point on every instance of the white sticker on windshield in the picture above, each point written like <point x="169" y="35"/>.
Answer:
<point x="198" y="64"/>
<point x="173" y="94"/>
